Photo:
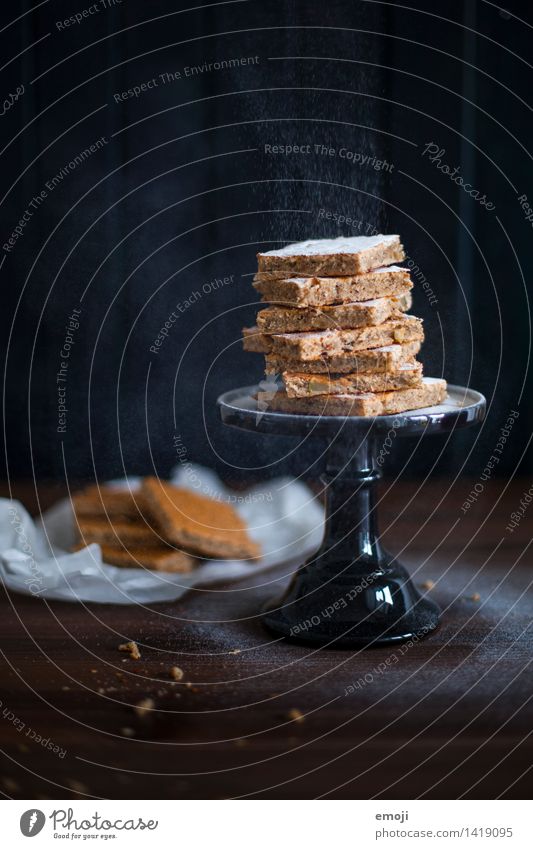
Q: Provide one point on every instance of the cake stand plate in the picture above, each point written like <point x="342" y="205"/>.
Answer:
<point x="352" y="592"/>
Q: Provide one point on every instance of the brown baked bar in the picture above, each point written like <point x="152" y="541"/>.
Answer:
<point x="387" y="358"/>
<point x="196" y="523"/>
<point x="299" y="385"/>
<point x="311" y="346"/>
<point x="431" y="392"/>
<point x="294" y="319"/>
<point x="117" y="531"/>
<point x="333" y="257"/>
<point x="318" y="291"/>
<point x="163" y="559"/>
<point x="101" y="501"/>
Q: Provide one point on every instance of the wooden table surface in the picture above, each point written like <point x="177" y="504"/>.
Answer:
<point x="446" y="717"/>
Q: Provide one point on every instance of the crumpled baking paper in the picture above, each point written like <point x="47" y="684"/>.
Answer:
<point x="35" y="556"/>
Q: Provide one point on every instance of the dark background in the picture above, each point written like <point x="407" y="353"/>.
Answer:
<point x="183" y="193"/>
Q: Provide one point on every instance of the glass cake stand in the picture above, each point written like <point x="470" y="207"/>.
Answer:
<point x="352" y="592"/>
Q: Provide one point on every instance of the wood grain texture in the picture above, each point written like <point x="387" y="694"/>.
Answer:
<point x="445" y="717"/>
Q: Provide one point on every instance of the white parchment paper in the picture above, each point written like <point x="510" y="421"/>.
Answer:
<point x="35" y="558"/>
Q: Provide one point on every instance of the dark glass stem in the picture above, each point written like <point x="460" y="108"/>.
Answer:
<point x="351" y="534"/>
<point x="351" y="592"/>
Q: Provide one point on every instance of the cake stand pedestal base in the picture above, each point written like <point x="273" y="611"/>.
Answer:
<point x="352" y="592"/>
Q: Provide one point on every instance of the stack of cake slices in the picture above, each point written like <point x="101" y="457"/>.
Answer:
<point x="338" y="330"/>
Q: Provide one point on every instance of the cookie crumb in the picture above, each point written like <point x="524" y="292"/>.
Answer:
<point x="428" y="585"/>
<point x="10" y="784"/>
<point x="132" y="648"/>
<point x="144" y="707"/>
<point x="127" y="732"/>
<point x="176" y="673"/>
<point x="296" y="715"/>
<point x="475" y="597"/>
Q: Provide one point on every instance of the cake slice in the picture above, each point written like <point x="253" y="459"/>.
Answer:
<point x="318" y="291"/>
<point x="101" y="501"/>
<point x="346" y="255"/>
<point x="386" y="358"/>
<point x="105" y="531"/>
<point x="361" y="314"/>
<point x="431" y="392"/>
<point x="196" y="523"/>
<point x="298" y="385"/>
<point x="311" y="346"/>
<point x="163" y="559"/>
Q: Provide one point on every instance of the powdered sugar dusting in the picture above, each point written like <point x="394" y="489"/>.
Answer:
<point x="342" y="245"/>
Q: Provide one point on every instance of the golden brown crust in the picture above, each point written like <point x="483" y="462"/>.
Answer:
<point x="330" y="317"/>
<point x="319" y="291"/>
<point x="164" y="559"/>
<point x="202" y="525"/>
<point x="117" y="531"/>
<point x="307" y="385"/>
<point x="101" y="501"/>
<point x="387" y="358"/>
<point x="332" y="343"/>
<point x="431" y="393"/>
<point x="333" y="257"/>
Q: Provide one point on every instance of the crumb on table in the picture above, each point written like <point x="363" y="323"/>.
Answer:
<point x="296" y="715"/>
<point x="144" y="707"/>
<point x="132" y="648"/>
<point x="176" y="673"/>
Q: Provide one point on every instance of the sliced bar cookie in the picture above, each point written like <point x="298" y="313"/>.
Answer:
<point x="163" y="559"/>
<point x="299" y="385"/>
<point x="318" y="291"/>
<point x="315" y="344"/>
<point x="431" y="392"/>
<point x="333" y="257"/>
<point x="117" y="531"/>
<point x="359" y="314"/>
<point x="196" y="523"/>
<point x="386" y="358"/>
<point x="101" y="501"/>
